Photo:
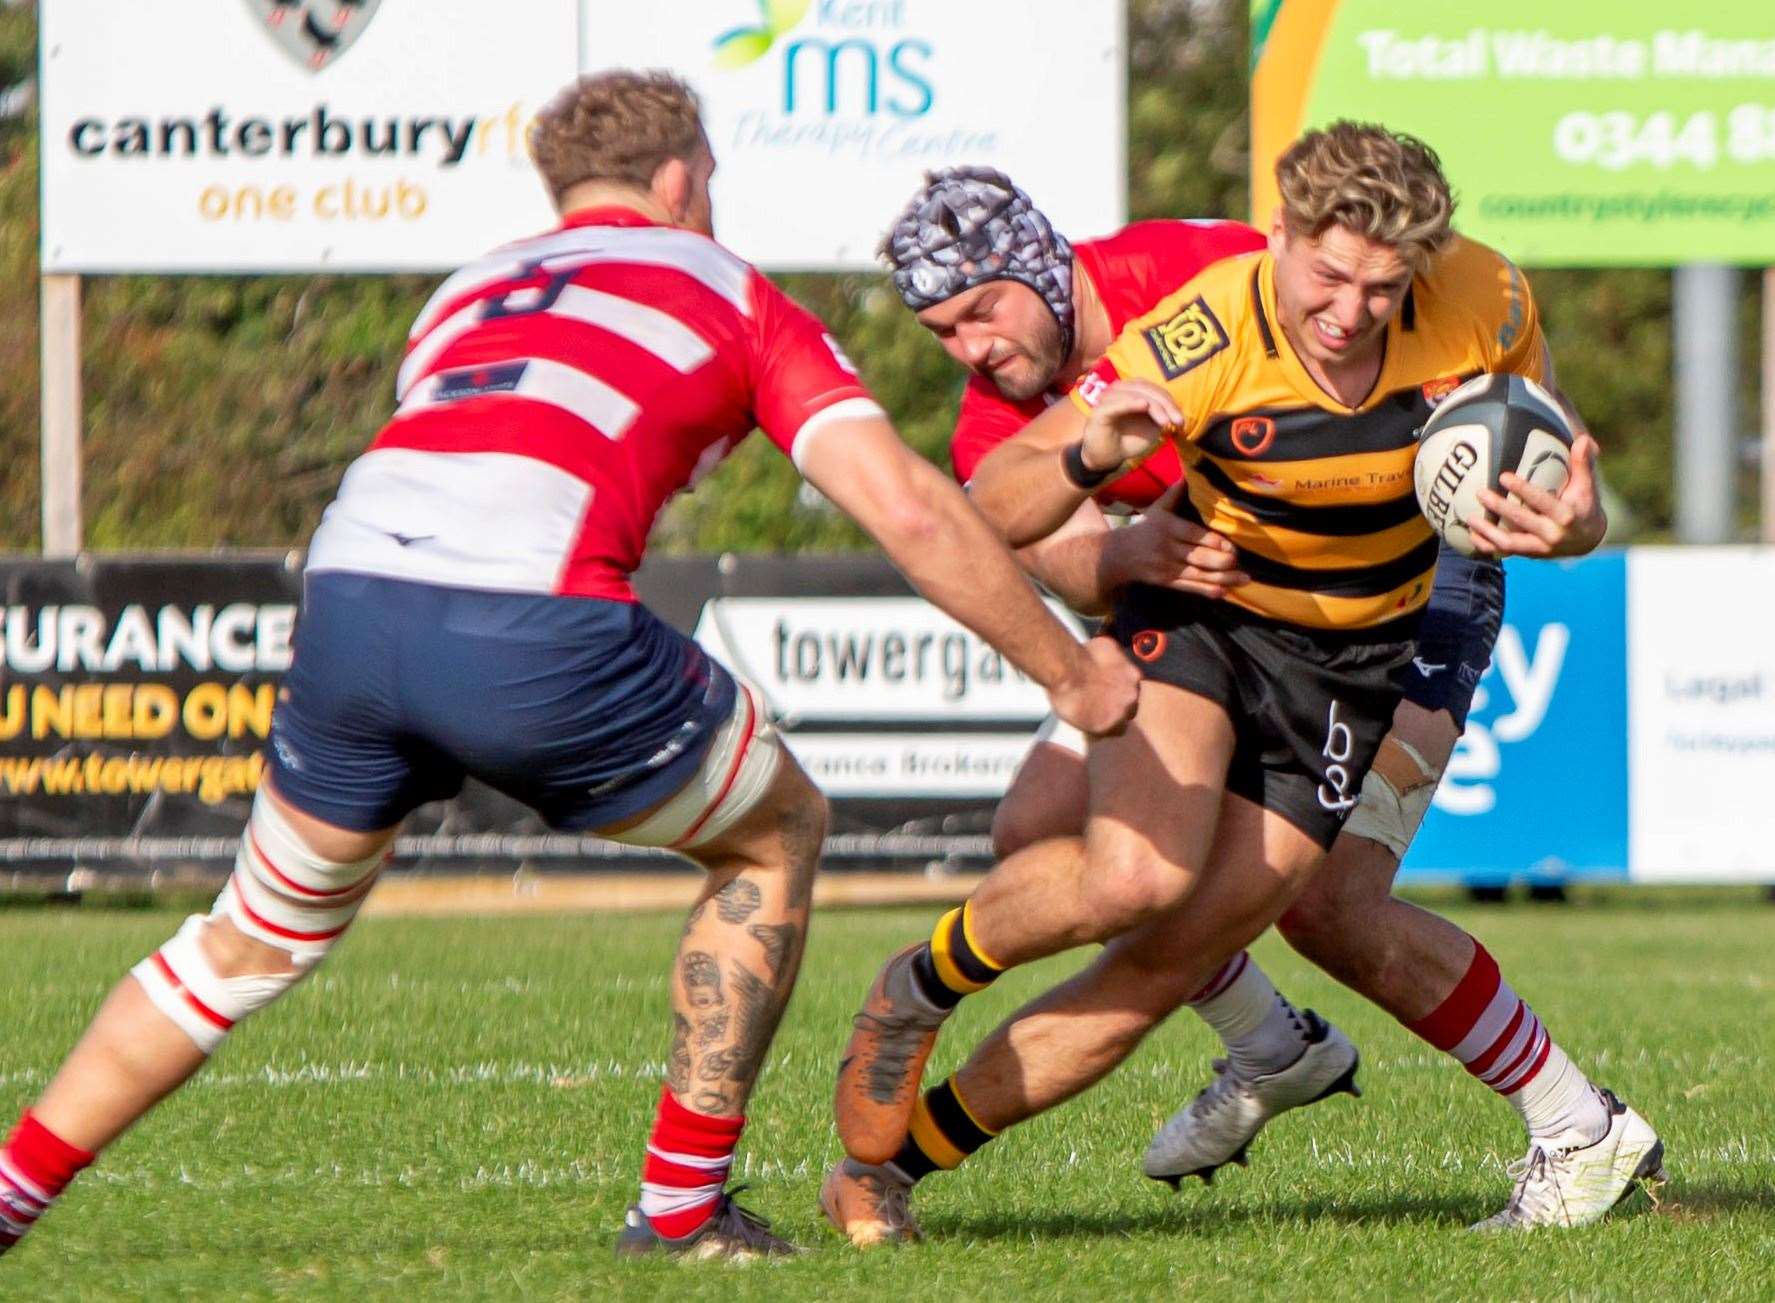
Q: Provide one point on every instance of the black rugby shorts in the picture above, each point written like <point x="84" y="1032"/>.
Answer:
<point x="1309" y="707"/>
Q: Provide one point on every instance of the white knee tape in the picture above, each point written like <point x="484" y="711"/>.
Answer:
<point x="182" y="984"/>
<point x="1395" y="796"/>
<point x="285" y="895"/>
<point x="742" y="761"/>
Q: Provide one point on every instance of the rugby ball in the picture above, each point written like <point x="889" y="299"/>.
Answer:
<point x="1490" y="425"/>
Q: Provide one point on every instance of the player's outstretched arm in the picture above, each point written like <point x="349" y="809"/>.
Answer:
<point x="1031" y="483"/>
<point x="925" y="524"/>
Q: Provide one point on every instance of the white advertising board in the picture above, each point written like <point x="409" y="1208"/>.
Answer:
<point x="824" y="659"/>
<point x="873" y="765"/>
<point x="293" y="135"/>
<point x="825" y="114"/>
<point x="1701" y="714"/>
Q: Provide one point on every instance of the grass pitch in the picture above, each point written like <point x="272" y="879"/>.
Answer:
<point x="455" y="1108"/>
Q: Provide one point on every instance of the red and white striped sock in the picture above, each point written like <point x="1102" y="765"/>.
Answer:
<point x="688" y="1158"/>
<point x="1498" y="1039"/>
<point x="35" y="1167"/>
<point x="1259" y="1028"/>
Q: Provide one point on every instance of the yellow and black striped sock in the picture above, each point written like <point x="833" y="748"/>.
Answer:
<point x="942" y="1133"/>
<point x="952" y="964"/>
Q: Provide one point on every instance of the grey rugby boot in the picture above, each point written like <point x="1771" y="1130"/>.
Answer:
<point x="1219" y="1124"/>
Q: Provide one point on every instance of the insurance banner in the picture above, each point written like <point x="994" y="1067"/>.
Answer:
<point x="1585" y="133"/>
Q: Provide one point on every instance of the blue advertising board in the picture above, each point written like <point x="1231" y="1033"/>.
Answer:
<point x="1537" y="787"/>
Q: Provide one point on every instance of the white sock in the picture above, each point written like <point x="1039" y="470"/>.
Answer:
<point x="1261" y="1031"/>
<point x="1559" y="1105"/>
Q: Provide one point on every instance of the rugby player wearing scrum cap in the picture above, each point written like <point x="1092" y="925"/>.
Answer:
<point x="1362" y="271"/>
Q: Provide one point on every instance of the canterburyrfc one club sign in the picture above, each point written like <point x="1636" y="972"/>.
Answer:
<point x="292" y="135"/>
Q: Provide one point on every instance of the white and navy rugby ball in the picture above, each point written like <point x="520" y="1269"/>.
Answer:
<point x="1491" y="424"/>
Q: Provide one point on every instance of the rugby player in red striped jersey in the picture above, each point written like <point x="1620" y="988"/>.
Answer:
<point x="467" y="611"/>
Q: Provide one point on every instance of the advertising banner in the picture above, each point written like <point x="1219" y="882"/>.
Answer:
<point x="824" y="114"/>
<point x="1584" y="133"/>
<point x="1624" y="729"/>
<point x="293" y="135"/>
<point x="1701" y="713"/>
<point x="1537" y="787"/>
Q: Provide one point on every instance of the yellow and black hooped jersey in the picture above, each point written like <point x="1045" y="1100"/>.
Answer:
<point x="1318" y="496"/>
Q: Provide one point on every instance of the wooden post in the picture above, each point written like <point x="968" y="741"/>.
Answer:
<point x="1768" y="463"/>
<point x="59" y="344"/>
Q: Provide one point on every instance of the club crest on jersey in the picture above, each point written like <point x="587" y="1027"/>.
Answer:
<point x="1437" y="390"/>
<point x="314" y="32"/>
<point x="1187" y="340"/>
<point x="1253" y="435"/>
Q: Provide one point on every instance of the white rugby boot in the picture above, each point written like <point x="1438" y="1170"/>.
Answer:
<point x="1219" y="1124"/>
<point x="1575" y="1185"/>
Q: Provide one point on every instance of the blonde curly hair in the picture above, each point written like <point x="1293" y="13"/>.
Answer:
<point x="1382" y="184"/>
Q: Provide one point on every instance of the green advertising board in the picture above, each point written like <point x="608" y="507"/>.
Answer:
<point x="1575" y="132"/>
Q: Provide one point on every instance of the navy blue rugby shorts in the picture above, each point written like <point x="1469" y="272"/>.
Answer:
<point x="586" y="710"/>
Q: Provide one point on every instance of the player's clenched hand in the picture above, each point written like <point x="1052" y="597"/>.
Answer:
<point x="1128" y="419"/>
<point x="1164" y="549"/>
<point x="1099" y="697"/>
<point x="1534" y="522"/>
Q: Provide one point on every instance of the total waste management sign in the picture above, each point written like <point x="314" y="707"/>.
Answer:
<point x="1586" y="132"/>
<point x="388" y="135"/>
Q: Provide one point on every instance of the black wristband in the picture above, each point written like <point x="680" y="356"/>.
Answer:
<point x="1079" y="475"/>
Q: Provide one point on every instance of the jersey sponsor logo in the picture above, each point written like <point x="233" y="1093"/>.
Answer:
<point x="1148" y="644"/>
<point x="1187" y="340"/>
<point x="473" y="382"/>
<point x="1437" y="390"/>
<point x="314" y="32"/>
<point x="1265" y="483"/>
<point x="1253" y="435"/>
<point x="1425" y="668"/>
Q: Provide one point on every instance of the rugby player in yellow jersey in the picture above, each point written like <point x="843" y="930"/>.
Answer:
<point x="1293" y="382"/>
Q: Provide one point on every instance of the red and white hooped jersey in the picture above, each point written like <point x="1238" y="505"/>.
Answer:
<point x="1131" y="270"/>
<point x="556" y="393"/>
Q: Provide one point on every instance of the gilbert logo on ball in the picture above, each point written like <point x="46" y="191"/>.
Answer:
<point x="315" y="32"/>
<point x="1488" y="426"/>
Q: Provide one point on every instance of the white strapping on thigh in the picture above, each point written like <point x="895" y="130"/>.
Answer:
<point x="741" y="762"/>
